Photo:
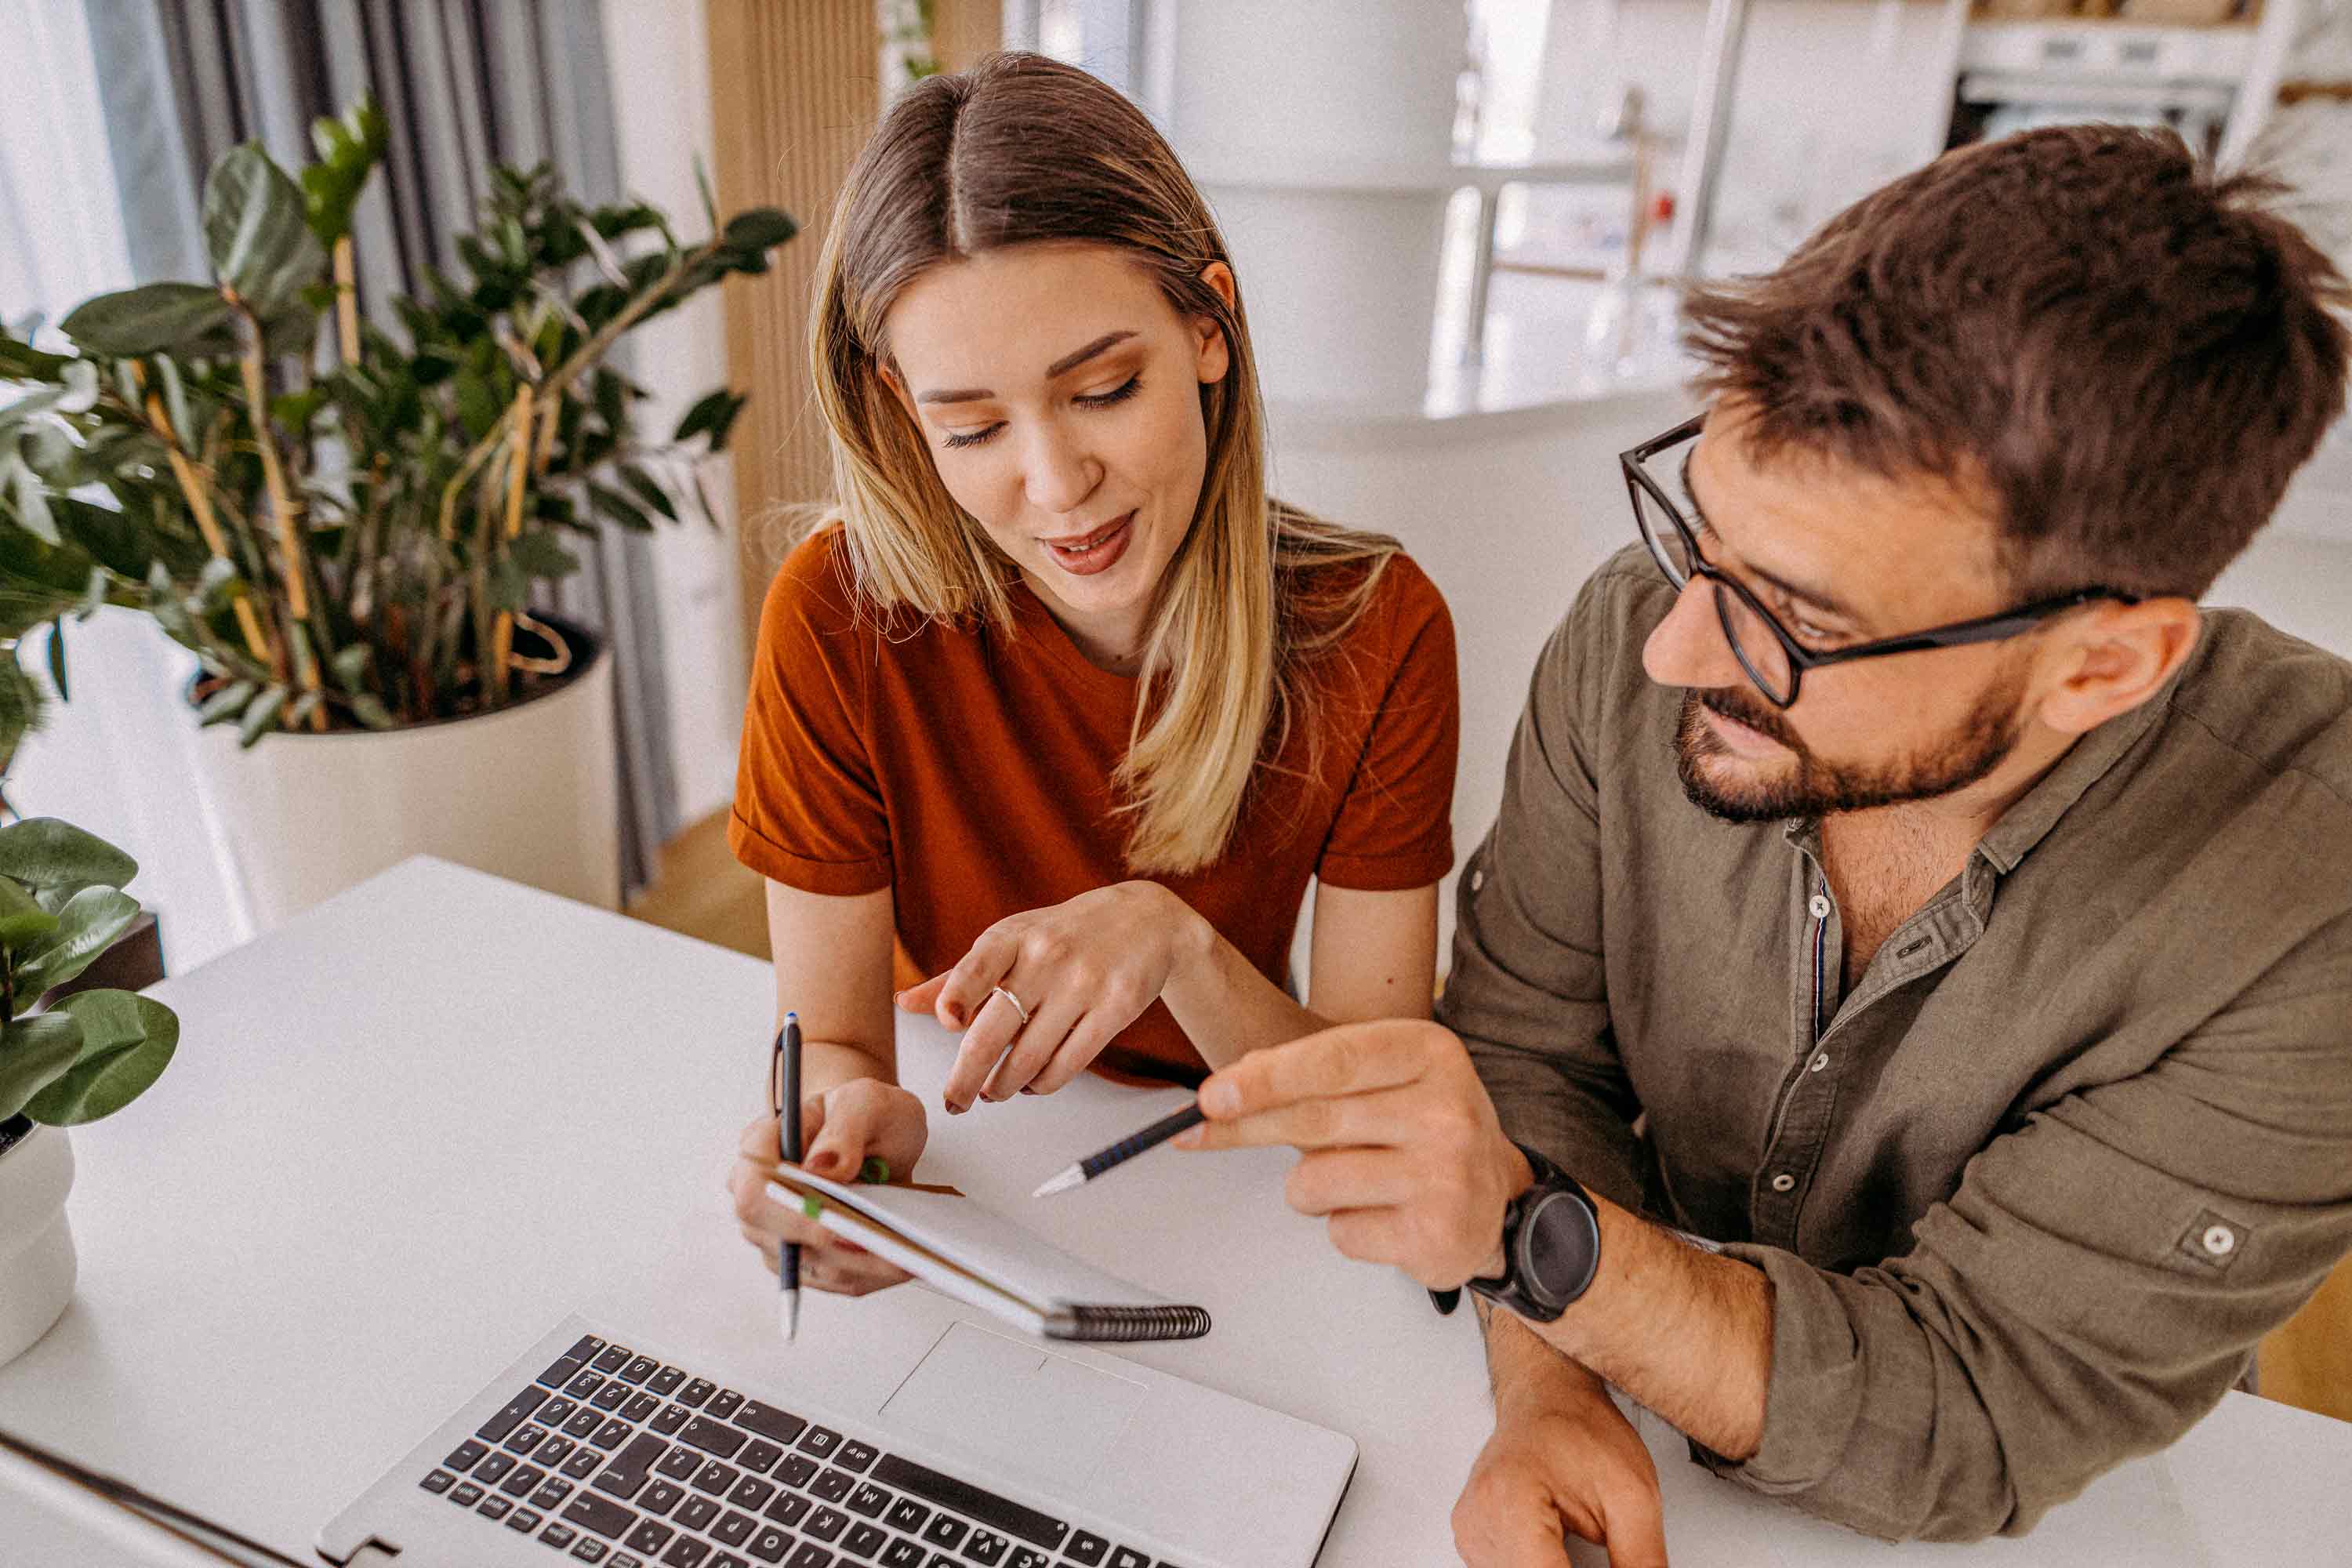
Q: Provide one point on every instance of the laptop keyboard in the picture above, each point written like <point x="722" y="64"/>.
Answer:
<point x="613" y="1458"/>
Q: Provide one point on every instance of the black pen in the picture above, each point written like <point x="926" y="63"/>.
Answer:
<point x="1126" y="1148"/>
<point x="786" y="1077"/>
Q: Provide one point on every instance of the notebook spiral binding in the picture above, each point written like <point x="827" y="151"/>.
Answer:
<point x="1109" y="1324"/>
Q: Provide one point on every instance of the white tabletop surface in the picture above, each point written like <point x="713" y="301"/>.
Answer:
<point x="408" y="1132"/>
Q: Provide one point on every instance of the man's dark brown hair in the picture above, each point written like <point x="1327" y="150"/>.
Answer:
<point x="2126" y="356"/>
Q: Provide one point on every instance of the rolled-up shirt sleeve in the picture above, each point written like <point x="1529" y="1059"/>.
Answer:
<point x="1526" y="991"/>
<point x="2092" y="1289"/>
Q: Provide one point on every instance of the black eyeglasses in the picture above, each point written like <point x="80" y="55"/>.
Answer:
<point x="1775" y="660"/>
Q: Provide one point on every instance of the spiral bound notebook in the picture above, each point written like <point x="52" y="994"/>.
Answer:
<point x="980" y="1258"/>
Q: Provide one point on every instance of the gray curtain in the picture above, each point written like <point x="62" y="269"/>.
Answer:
<point x="463" y="84"/>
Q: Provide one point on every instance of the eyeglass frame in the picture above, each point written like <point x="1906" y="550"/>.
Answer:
<point x="1995" y="628"/>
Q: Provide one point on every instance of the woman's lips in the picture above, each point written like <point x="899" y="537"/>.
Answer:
<point x="1093" y="552"/>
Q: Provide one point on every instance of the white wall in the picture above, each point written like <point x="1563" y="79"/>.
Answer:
<point x="661" y="101"/>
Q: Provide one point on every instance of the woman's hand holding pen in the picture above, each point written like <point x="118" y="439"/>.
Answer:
<point x="1080" y="972"/>
<point x="841" y="1128"/>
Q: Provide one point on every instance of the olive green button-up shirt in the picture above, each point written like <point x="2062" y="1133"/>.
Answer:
<point x="2031" y="1187"/>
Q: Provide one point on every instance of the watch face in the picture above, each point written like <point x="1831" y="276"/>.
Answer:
<point x="1561" y="1242"/>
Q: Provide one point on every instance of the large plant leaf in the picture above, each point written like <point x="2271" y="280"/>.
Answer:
<point x="22" y="919"/>
<point x="187" y="319"/>
<point x="127" y="1041"/>
<point x="43" y="852"/>
<point x="648" y="491"/>
<point x="33" y="1052"/>
<point x="257" y="233"/>
<point x="87" y="927"/>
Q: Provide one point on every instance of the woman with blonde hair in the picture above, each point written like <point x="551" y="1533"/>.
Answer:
<point x="1057" y="707"/>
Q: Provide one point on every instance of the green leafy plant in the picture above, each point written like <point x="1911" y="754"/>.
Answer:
<point x="345" y="526"/>
<point x="61" y="906"/>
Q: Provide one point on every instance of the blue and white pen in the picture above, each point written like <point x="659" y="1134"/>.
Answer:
<point x="786" y="1078"/>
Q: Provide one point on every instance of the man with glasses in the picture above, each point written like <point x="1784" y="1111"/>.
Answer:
<point x="1943" y="1111"/>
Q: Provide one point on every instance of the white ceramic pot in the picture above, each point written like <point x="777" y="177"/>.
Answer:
<point x="37" y="1250"/>
<point x="530" y="793"/>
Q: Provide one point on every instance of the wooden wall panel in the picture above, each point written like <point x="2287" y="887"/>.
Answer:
<point x="793" y="95"/>
<point x="963" y="30"/>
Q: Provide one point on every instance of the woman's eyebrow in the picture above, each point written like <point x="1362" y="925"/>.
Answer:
<point x="1060" y="367"/>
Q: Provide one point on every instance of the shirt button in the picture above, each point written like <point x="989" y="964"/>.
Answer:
<point x="1783" y="1182"/>
<point x="1820" y="907"/>
<point x="1820" y="1061"/>
<point x="2221" y="1240"/>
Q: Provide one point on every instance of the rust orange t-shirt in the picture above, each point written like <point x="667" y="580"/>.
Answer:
<point x="969" y="772"/>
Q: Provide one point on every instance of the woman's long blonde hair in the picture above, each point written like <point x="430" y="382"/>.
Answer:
<point x="1020" y="150"/>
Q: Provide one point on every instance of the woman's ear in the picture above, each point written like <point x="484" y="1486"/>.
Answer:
<point x="1215" y="355"/>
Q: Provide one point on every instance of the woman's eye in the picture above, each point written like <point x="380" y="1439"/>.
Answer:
<point x="1120" y="394"/>
<point x="971" y="437"/>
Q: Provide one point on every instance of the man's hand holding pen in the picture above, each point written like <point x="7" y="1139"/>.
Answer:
<point x="1402" y="1147"/>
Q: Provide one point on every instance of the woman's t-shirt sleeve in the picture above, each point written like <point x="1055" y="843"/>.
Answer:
<point x="1395" y="825"/>
<point x="809" y="809"/>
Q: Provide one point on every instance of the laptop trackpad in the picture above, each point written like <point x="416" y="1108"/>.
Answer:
<point x="1026" y="1409"/>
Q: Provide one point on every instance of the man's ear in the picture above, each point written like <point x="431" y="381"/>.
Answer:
<point x="1214" y="356"/>
<point x="2118" y="656"/>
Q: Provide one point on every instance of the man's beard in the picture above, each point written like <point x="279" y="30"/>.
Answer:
<point x="1817" y="788"/>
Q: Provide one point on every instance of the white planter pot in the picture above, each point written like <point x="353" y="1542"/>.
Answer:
<point x="530" y="793"/>
<point x="37" y="1250"/>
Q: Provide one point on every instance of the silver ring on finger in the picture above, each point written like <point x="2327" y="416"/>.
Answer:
<point x="1013" y="1001"/>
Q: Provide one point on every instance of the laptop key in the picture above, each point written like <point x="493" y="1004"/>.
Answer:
<point x="833" y="1486"/>
<point x="986" y="1548"/>
<point x="811" y="1556"/>
<point x="821" y="1441"/>
<point x="758" y="1454"/>
<point x="586" y="1384"/>
<point x="796" y="1470"/>
<point x="555" y="1411"/>
<point x="946" y="1531"/>
<point x="697" y="1513"/>
<point x="463" y="1457"/>
<point x="612" y="1358"/>
<point x="734" y="1530"/>
<point x="612" y="1434"/>
<point x="826" y="1524"/>
<point x="665" y="1382"/>
<point x="770" y="1544"/>
<point x="637" y="1370"/>
<point x="681" y="1463"/>
<point x="520" y="1483"/>
<point x="661" y="1497"/>
<point x="1128" y="1557"/>
<point x="715" y="1478"/>
<point x="869" y="1501"/>
<point x="439" y="1481"/>
<point x="729" y="1560"/>
<point x="907" y="1514"/>
<point x="588" y="1549"/>
<point x="558" y="1536"/>
<point x="686" y="1551"/>
<point x="722" y="1404"/>
<point x="526" y="1438"/>
<point x="650" y="1535"/>
<point x="582" y="1465"/>
<point x="673" y="1416"/>
<point x="855" y="1456"/>
<point x="604" y="1517"/>
<point x="788" y="1507"/>
<point x="612" y="1396"/>
<point x="624" y="1485"/>
<point x="562" y="1370"/>
<point x="494" y="1508"/>
<point x="523" y="1520"/>
<point x="1086" y="1548"/>
<point x="643" y="1406"/>
<point x="901" y="1554"/>
<point x="494" y="1469"/>
<point x="1027" y="1557"/>
<point x="467" y="1495"/>
<point x="512" y="1415"/>
<point x="637" y="1461"/>
<point x="863" y="1541"/>
<point x="554" y="1451"/>
<point x="751" y="1491"/>
<point x="709" y="1436"/>
<point x="781" y="1426"/>
<point x="698" y="1389"/>
<point x="551" y="1495"/>
<point x="583" y="1423"/>
<point x="997" y="1512"/>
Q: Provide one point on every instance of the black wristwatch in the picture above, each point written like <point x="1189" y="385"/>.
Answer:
<point x="1551" y="1245"/>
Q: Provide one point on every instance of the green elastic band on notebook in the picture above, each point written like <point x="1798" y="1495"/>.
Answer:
<point x="876" y="1170"/>
<point x="812" y="1205"/>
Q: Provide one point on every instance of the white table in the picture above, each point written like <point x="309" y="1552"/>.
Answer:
<point x="408" y="1132"/>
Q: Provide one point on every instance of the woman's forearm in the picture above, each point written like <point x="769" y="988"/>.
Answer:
<point x="1220" y="1000"/>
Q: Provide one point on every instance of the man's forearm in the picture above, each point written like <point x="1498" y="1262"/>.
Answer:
<point x="1684" y="1332"/>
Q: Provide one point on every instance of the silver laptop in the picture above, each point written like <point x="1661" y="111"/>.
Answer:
<point x="968" y="1447"/>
